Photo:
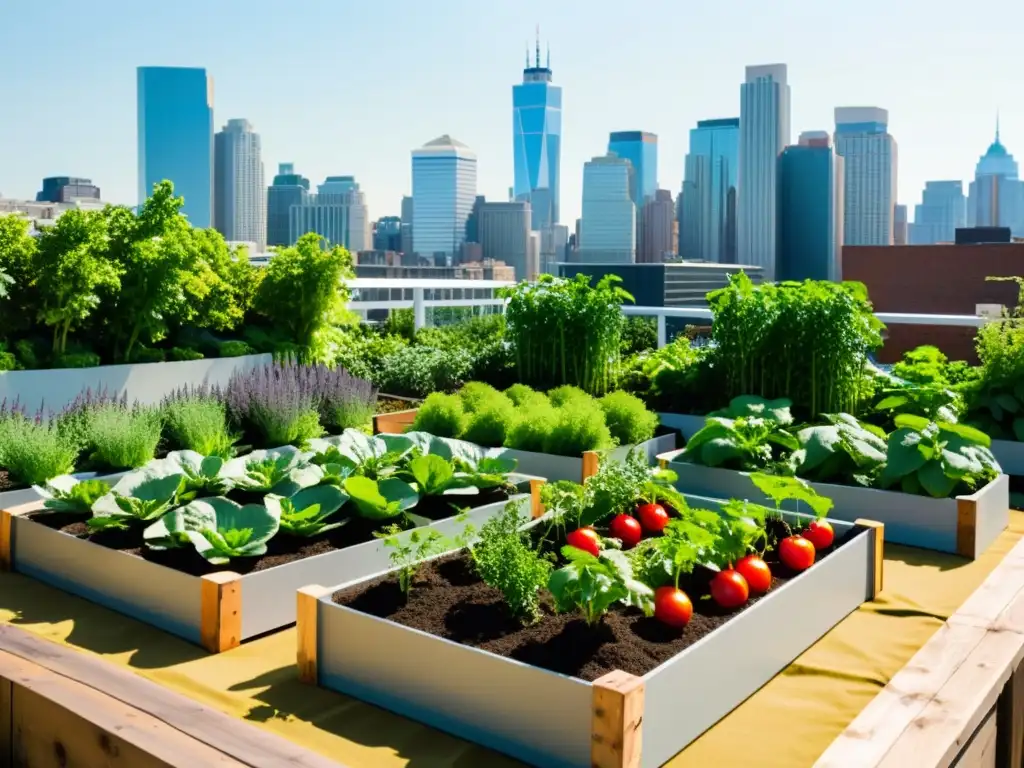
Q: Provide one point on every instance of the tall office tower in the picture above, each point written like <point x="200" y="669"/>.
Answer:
<point x="764" y="132"/>
<point x="608" y="228"/>
<point x="707" y="203"/>
<point x="337" y="212"/>
<point x="554" y="246"/>
<point x="503" y="231"/>
<point x="175" y="122"/>
<point x="900" y="226"/>
<point x="533" y="256"/>
<point x="407" y="224"/>
<point x="443" y="193"/>
<point x="869" y="158"/>
<point x="641" y="149"/>
<point x="657" y="217"/>
<point x="67" y="189"/>
<point x="537" y="140"/>
<point x="996" y="196"/>
<point x="810" y="210"/>
<point x="239" y="201"/>
<point x="943" y="210"/>
<point x="288" y="188"/>
<point x="387" y="234"/>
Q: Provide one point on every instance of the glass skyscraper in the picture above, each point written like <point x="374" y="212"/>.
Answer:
<point x="176" y="136"/>
<point x="443" y="193"/>
<point x="641" y="149"/>
<point x="288" y="188"/>
<point x="996" y="196"/>
<point x="537" y="141"/>
<point x="608" y="226"/>
<point x="764" y="132"/>
<point x="707" y="208"/>
<point x="942" y="211"/>
<point x="869" y="159"/>
<point x="239" y="199"/>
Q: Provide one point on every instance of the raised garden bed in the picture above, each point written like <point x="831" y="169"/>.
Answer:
<point x="687" y="423"/>
<point x="16" y="496"/>
<point x="220" y="606"/>
<point x="627" y="691"/>
<point x="964" y="525"/>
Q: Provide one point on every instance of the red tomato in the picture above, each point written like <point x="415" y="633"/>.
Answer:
<point x="653" y="517"/>
<point x="585" y="539"/>
<point x="756" y="572"/>
<point x="820" y="534"/>
<point x="797" y="553"/>
<point x="729" y="589"/>
<point x="626" y="529"/>
<point x="672" y="606"/>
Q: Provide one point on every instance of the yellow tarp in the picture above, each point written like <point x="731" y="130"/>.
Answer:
<point x="788" y="723"/>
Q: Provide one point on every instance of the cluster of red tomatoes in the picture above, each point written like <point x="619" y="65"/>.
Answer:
<point x="730" y="588"/>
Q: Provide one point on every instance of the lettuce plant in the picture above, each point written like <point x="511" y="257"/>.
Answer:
<point x="845" y="450"/>
<point x="138" y="497"/>
<point x="310" y="511"/>
<point x="218" y="528"/>
<point x="279" y="470"/>
<point x="67" y="493"/>
<point x="434" y="476"/>
<point x="745" y="443"/>
<point x="380" y="500"/>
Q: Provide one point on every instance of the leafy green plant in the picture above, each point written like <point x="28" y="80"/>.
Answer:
<point x="579" y="426"/>
<point x="409" y="550"/>
<point x="931" y="401"/>
<point x="754" y="441"/>
<point x="684" y="544"/>
<point x="418" y="371"/>
<point x="310" y="512"/>
<point x="33" y="451"/>
<point x="218" y="528"/>
<point x="567" y="393"/>
<point x="123" y="438"/>
<point x="491" y="423"/>
<point x="197" y="421"/>
<point x="937" y="459"/>
<point x="505" y="560"/>
<point x="844" y="450"/>
<point x="380" y="500"/>
<point x="537" y="418"/>
<point x="592" y="585"/>
<point x="627" y="418"/>
<point x="520" y="394"/>
<point x="282" y="471"/>
<point x="139" y="497"/>
<point x="67" y="493"/>
<point x="434" y="476"/>
<point x="440" y="414"/>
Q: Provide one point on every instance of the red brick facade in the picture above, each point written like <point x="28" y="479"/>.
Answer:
<point x="937" y="280"/>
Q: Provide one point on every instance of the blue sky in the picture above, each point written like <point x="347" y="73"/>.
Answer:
<point x="339" y="87"/>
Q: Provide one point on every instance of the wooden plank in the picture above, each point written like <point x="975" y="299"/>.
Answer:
<point x="591" y="461"/>
<point x="306" y="631"/>
<point x="981" y="752"/>
<point x="236" y="738"/>
<point x="6" y="693"/>
<point x="7" y="532"/>
<point x="878" y="533"/>
<point x="966" y="526"/>
<point x="221" y="611"/>
<point x="395" y="422"/>
<point x="1010" y="723"/>
<point x="536" y="507"/>
<point x="616" y="728"/>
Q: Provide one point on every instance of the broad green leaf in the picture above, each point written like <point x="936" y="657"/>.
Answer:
<point x="911" y="421"/>
<point x="218" y="528"/>
<point x="780" y="489"/>
<point x="818" y="443"/>
<point x="970" y="434"/>
<point x="431" y="473"/>
<point x="904" y="455"/>
<point x="935" y="481"/>
<point x="718" y="451"/>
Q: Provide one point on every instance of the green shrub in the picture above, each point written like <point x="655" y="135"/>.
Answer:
<point x="536" y="418"/>
<point x="627" y="418"/>
<point x="123" y="438"/>
<point x="181" y="354"/>
<point x="198" y="421"/>
<point x="362" y="350"/>
<point x="476" y="394"/>
<point x="520" y="393"/>
<point x="560" y="396"/>
<point x="28" y="354"/>
<point x="77" y="360"/>
<point x="234" y="349"/>
<point x="148" y="355"/>
<point x="579" y="426"/>
<point x="33" y="453"/>
<point x="491" y="423"/>
<point x="638" y="335"/>
<point x="8" y="362"/>
<point x="441" y="415"/>
<point x="418" y="371"/>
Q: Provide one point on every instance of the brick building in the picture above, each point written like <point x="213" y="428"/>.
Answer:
<point x="934" y="279"/>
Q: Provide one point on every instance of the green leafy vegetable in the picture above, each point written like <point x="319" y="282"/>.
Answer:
<point x="592" y="585"/>
<point x="67" y="493"/>
<point x="310" y="511"/>
<point x="380" y="500"/>
<point x="218" y="528"/>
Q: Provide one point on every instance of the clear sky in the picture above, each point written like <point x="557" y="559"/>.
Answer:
<point x="351" y="86"/>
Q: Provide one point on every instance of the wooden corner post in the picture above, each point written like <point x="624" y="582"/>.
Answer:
<point x="7" y="532"/>
<point x="221" y="611"/>
<point x="306" y="630"/>
<point x="878" y="533"/>
<point x="966" y="526"/>
<point x="590" y="463"/>
<point x="617" y="721"/>
<point x="536" y="507"/>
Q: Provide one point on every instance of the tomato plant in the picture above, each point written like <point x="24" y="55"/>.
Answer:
<point x="820" y="534"/>
<point x="627" y="530"/>
<point x="585" y="539"/>
<point x="797" y="553"/>
<point x="672" y="606"/>
<point x="653" y="517"/>
<point x="756" y="572"/>
<point x="729" y="589"/>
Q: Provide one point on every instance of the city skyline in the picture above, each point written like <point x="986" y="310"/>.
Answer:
<point x="468" y="94"/>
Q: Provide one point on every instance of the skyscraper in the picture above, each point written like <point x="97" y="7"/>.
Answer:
<point x="387" y="234"/>
<point x="869" y="159"/>
<point x="641" y="149"/>
<point x="407" y="224"/>
<point x="337" y="212"/>
<point x="443" y="193"/>
<point x="289" y="188"/>
<point x="707" y="203"/>
<point x="900" y="226"/>
<point x="343" y="190"/>
<point x="764" y="132"/>
<point x="608" y="228"/>
<point x="537" y="140"/>
<point x="504" y="233"/>
<point x="239" y="201"/>
<point x="996" y="196"/>
<point x="810" y="210"/>
<point x="657" y="217"/>
<point x="66" y="189"/>
<point x="175" y="142"/>
<point x="942" y="211"/>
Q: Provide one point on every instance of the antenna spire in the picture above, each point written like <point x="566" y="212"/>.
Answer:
<point x="997" y="126"/>
<point x="527" y="55"/>
<point x="549" y="56"/>
<point x="537" y="54"/>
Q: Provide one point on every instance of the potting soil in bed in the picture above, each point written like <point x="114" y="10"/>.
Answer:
<point x="281" y="549"/>
<point x="449" y="600"/>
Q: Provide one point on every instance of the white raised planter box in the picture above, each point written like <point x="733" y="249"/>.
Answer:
<point x="965" y="525"/>
<point x="1010" y="455"/>
<point x="218" y="611"/>
<point x="145" y="383"/>
<point x="686" y="423"/>
<point x="552" y="720"/>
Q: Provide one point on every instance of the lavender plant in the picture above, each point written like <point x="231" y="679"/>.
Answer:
<point x="276" y="404"/>
<point x="32" y="448"/>
<point x="346" y="401"/>
<point x="195" y="419"/>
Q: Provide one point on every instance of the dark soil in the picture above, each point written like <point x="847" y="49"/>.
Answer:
<point x="281" y="549"/>
<point x="7" y="483"/>
<point x="449" y="600"/>
<point x="387" y="404"/>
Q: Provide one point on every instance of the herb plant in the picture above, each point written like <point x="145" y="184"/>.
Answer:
<point x="276" y="404"/>
<point x="627" y="418"/>
<point x="409" y="550"/>
<point x="123" y="438"/>
<point x="441" y="415"/>
<point x="592" y="585"/>
<point x="35" y="450"/>
<point x="196" y="420"/>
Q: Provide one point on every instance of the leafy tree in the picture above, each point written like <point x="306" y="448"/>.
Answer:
<point x="221" y="286"/>
<point x="302" y="289"/>
<point x="17" y="248"/>
<point x="71" y="268"/>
